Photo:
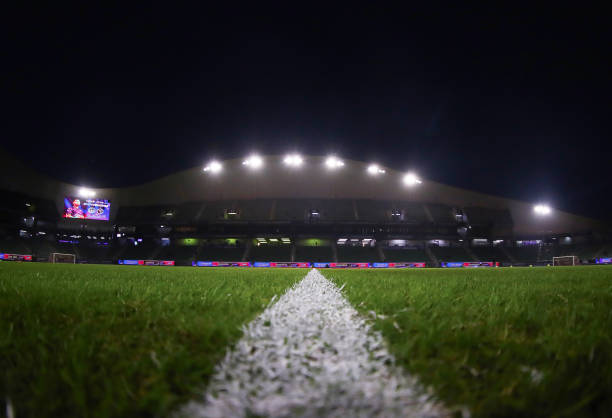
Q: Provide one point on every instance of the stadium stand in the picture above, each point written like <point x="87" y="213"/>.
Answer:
<point x="128" y="215"/>
<point x="441" y="214"/>
<point x="490" y="253"/>
<point x="14" y="246"/>
<point x="404" y="254"/>
<point x="584" y="252"/>
<point x="210" y="209"/>
<point x="450" y="253"/>
<point x="216" y="211"/>
<point x="347" y="253"/>
<point x="42" y="248"/>
<point x="189" y="213"/>
<point x="336" y="210"/>
<point x="95" y="252"/>
<point x="217" y="253"/>
<point x="151" y="215"/>
<point x="373" y="210"/>
<point x="411" y="212"/>
<point x="255" y="210"/>
<point x="290" y="210"/>
<point x="146" y="250"/>
<point x="313" y="253"/>
<point x="526" y="255"/>
<point x="270" y="253"/>
<point x="181" y="254"/>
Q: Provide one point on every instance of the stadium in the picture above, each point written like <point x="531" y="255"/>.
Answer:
<point x="298" y="286"/>
<point x="288" y="209"/>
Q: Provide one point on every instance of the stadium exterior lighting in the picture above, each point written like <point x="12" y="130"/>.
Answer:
<point x="214" y="167"/>
<point x="541" y="209"/>
<point x="375" y="170"/>
<point x="411" y="179"/>
<point x="85" y="192"/>
<point x="333" y="162"/>
<point x="293" y="160"/>
<point x="254" y="162"/>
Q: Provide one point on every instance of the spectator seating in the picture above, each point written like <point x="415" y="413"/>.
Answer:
<point x="270" y="253"/>
<point x="313" y="254"/>
<point x="348" y="253"/>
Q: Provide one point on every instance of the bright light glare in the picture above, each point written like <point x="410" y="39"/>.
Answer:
<point x="542" y="209"/>
<point x="84" y="192"/>
<point x="213" y="167"/>
<point x="374" y="169"/>
<point x="411" y="179"/>
<point x="333" y="163"/>
<point x="254" y="162"/>
<point x="293" y="160"/>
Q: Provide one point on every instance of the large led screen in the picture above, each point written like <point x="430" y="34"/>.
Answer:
<point x="93" y="209"/>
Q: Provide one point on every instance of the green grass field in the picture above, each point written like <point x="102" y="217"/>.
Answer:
<point x="79" y="340"/>
<point x="98" y="341"/>
<point x="508" y="342"/>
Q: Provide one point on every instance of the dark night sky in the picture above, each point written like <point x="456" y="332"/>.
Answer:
<point x="513" y="102"/>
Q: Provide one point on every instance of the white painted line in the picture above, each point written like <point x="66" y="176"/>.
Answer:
<point x="312" y="355"/>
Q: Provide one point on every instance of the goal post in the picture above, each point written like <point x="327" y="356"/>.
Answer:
<point x="568" y="260"/>
<point x="62" y="258"/>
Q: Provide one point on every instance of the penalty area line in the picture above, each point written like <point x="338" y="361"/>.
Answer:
<point x="311" y="354"/>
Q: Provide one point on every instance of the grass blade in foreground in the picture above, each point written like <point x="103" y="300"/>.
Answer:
<point x="504" y="342"/>
<point x="101" y="341"/>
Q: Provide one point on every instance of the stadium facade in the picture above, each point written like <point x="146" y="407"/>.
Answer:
<point x="286" y="213"/>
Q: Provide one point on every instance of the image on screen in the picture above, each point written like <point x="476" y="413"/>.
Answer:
<point x="92" y="209"/>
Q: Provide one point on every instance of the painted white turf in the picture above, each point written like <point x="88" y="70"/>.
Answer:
<point x="311" y="354"/>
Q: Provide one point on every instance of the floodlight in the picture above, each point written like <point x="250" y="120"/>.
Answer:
<point x="333" y="162"/>
<point x="374" y="169"/>
<point x="84" y="192"/>
<point x="214" y="167"/>
<point x="293" y="160"/>
<point x="542" y="209"/>
<point x="411" y="179"/>
<point x="254" y="162"/>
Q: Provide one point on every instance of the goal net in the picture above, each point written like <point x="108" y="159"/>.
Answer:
<point x="62" y="258"/>
<point x="568" y="260"/>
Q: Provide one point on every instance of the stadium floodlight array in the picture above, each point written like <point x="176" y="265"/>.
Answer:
<point x="85" y="192"/>
<point x="333" y="162"/>
<point x="293" y="160"/>
<point x="542" y="209"/>
<point x="375" y="170"/>
<point x="214" y="167"/>
<point x="411" y="179"/>
<point x="254" y="162"/>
